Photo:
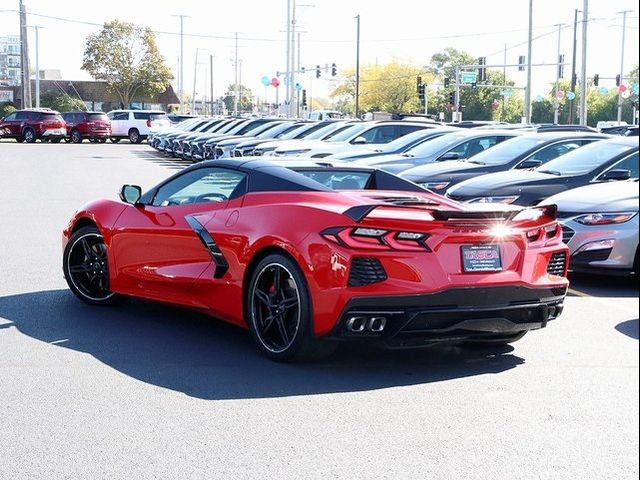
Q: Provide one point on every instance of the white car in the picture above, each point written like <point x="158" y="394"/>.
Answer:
<point x="136" y="124"/>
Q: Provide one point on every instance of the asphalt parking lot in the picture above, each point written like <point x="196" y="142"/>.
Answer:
<point x="147" y="391"/>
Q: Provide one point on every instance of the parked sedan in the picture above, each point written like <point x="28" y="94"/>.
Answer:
<point x="600" y="226"/>
<point x="247" y="148"/>
<point x="398" y="146"/>
<point x="225" y="148"/>
<point x="457" y="145"/>
<point x="528" y="151"/>
<point x="324" y="133"/>
<point x="603" y="161"/>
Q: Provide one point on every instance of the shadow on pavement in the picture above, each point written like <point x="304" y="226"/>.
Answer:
<point x="204" y="358"/>
<point x="605" y="285"/>
<point x="629" y="328"/>
<point x="162" y="160"/>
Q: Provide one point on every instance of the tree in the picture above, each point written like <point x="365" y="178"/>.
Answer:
<point x="245" y="102"/>
<point x="61" y="102"/>
<point x="6" y="108"/>
<point x="389" y="88"/>
<point x="127" y="58"/>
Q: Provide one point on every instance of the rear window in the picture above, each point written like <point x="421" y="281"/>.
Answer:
<point x="149" y="116"/>
<point x="97" y="117"/>
<point x="49" y="116"/>
<point x="338" y="179"/>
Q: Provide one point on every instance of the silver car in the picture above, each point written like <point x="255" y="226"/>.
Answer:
<point x="600" y="226"/>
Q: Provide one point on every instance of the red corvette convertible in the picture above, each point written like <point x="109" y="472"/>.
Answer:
<point x="306" y="254"/>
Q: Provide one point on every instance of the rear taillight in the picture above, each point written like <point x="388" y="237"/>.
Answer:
<point x="378" y="239"/>
<point x="149" y="123"/>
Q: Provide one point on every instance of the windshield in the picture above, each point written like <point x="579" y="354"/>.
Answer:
<point x="506" y="151"/>
<point x="263" y="127"/>
<point x="338" y="179"/>
<point x="347" y="134"/>
<point x="276" y="130"/>
<point x="584" y="159"/>
<point x="325" y="131"/>
<point x="400" y="144"/>
<point x="436" y="145"/>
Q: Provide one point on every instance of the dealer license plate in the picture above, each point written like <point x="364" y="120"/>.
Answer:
<point x="481" y="258"/>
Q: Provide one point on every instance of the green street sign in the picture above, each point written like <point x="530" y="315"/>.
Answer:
<point x="506" y="93"/>
<point x="468" y="77"/>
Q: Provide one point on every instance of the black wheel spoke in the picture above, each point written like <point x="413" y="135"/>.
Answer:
<point x="82" y="268"/>
<point x="289" y="303"/>
<point x="282" y="328"/>
<point x="86" y="248"/>
<point x="263" y="297"/>
<point x="87" y="267"/>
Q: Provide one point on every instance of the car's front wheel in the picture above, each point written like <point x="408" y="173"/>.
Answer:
<point x="29" y="135"/>
<point x="86" y="267"/>
<point x="76" y="136"/>
<point x="279" y="312"/>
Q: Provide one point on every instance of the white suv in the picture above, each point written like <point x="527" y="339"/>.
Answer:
<point x="135" y="124"/>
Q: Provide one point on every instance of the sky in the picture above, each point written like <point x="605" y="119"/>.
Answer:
<point x="408" y="30"/>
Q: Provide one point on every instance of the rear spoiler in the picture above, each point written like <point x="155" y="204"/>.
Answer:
<point x="359" y="213"/>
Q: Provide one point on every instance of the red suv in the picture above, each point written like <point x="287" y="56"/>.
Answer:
<point x="92" y="125"/>
<point x="30" y="125"/>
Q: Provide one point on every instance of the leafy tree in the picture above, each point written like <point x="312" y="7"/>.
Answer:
<point x="6" y="108"/>
<point x="127" y="58"/>
<point x="390" y="88"/>
<point x="62" y="102"/>
<point x="245" y="102"/>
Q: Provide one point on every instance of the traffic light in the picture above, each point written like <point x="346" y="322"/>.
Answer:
<point x="421" y="92"/>
<point x="596" y="80"/>
<point x="474" y="85"/>
<point x="304" y="98"/>
<point x="334" y="70"/>
<point x="521" y="61"/>
<point x="482" y="72"/>
<point x="618" y="82"/>
<point x="418" y="83"/>
<point x="561" y="66"/>
<point x="318" y="73"/>
<point x="447" y="82"/>
<point x="303" y="70"/>
<point x="452" y="98"/>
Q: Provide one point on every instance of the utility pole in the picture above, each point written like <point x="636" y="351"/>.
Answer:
<point x="357" y="99"/>
<point x="287" y="77"/>
<point x="24" y="58"/>
<point x="237" y="89"/>
<point x="504" y="79"/>
<point x="527" y="96"/>
<point x="195" y="76"/>
<point x="556" y="110"/>
<point x="211" y="81"/>
<point x="181" y="63"/>
<point x="292" y="81"/>
<point x="573" y="67"/>
<point x="298" y="68"/>
<point x="37" y="30"/>
<point x="583" y="72"/>
<point x="624" y="31"/>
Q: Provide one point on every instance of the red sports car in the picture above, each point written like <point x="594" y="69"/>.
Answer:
<point x="306" y="254"/>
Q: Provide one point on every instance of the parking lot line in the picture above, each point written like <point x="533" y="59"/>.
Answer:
<point x="602" y="301"/>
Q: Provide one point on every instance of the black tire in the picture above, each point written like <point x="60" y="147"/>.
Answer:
<point x="134" y="136"/>
<point x="29" y="135"/>
<point x="56" y="140"/>
<point x="289" y="336"/>
<point x="101" y="140"/>
<point x="19" y="139"/>
<point x="114" y="140"/>
<point x="86" y="268"/>
<point x="67" y="139"/>
<point x="76" y="136"/>
<point x="496" y="340"/>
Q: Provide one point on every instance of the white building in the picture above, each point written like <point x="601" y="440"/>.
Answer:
<point x="10" y="60"/>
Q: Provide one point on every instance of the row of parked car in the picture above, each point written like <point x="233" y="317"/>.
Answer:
<point x="31" y="125"/>
<point x="591" y="176"/>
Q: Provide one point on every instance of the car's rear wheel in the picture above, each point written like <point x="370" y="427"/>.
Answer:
<point x="100" y="140"/>
<point x="56" y="140"/>
<point x="19" y="139"/>
<point x="280" y="314"/>
<point x="29" y="135"/>
<point x="76" y="136"/>
<point x="86" y="267"/>
<point x="134" y="136"/>
<point x="114" y="140"/>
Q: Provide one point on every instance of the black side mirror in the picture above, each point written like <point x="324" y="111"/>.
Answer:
<point x="529" y="164"/>
<point x="612" y="175"/>
<point x="130" y="194"/>
<point x="449" y="156"/>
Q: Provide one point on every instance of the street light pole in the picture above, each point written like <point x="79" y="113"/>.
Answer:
<point x="624" y="31"/>
<point x="527" y="99"/>
<point x="289" y="66"/>
<point x="357" y="99"/>
<point x="573" y="67"/>
<point x="556" y="112"/>
<point x="24" y="58"/>
<point x="181" y="63"/>
<point x="195" y="76"/>
<point x="583" y="71"/>
<point x="237" y="89"/>
<point x="37" y="30"/>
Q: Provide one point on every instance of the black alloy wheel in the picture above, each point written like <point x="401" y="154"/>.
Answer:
<point x="134" y="136"/>
<point x="279" y="312"/>
<point x="86" y="267"/>
<point x="29" y="135"/>
<point x="76" y="136"/>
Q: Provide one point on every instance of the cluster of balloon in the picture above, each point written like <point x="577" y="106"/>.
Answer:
<point x="266" y="81"/>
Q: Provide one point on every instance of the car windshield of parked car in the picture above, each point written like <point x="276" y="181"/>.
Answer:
<point x="97" y="116"/>
<point x="506" y="151"/>
<point x="338" y="179"/>
<point x="277" y="130"/>
<point x="327" y="131"/>
<point x="584" y="160"/>
<point x="436" y="145"/>
<point x="347" y="134"/>
<point x="401" y="143"/>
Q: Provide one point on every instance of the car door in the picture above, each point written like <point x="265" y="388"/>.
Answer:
<point x="8" y="126"/>
<point x="160" y="248"/>
<point x="119" y="122"/>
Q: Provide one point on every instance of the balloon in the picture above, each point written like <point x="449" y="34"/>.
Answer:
<point x="604" y="90"/>
<point x="622" y="88"/>
<point x="275" y="82"/>
<point x="495" y="104"/>
<point x="539" y="98"/>
<point x="571" y="95"/>
<point x="560" y="94"/>
<point x="626" y="94"/>
<point x="636" y="88"/>
<point x="298" y="87"/>
<point x="266" y="81"/>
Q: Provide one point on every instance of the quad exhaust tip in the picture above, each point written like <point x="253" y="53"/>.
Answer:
<point x="369" y="324"/>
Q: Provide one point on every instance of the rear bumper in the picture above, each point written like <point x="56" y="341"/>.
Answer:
<point x="452" y="316"/>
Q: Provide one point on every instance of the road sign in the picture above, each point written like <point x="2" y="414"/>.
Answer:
<point x="506" y="93"/>
<point x="468" y="77"/>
